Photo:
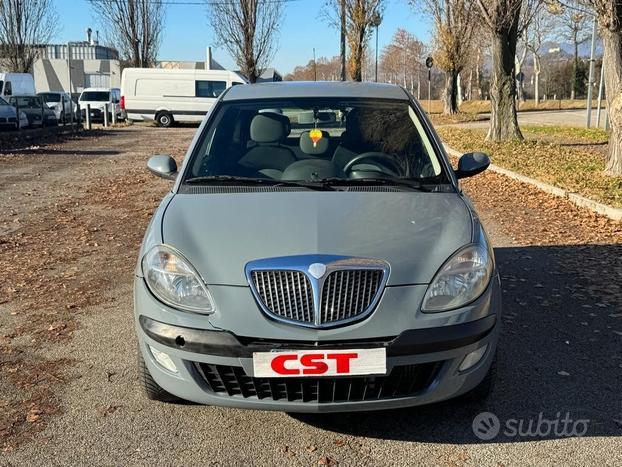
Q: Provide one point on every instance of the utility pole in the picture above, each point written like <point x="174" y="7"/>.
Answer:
<point x="343" y="40"/>
<point x="376" y="20"/>
<point x="429" y="63"/>
<point x="591" y="76"/>
<point x="69" y="66"/>
<point x="314" y="66"/>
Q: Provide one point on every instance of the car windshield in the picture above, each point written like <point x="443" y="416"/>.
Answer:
<point x="3" y="102"/>
<point x="95" y="96"/>
<point x="28" y="102"/>
<point x="331" y="140"/>
<point x="50" y="97"/>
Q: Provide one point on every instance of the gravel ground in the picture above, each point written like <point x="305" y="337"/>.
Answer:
<point x="73" y="216"/>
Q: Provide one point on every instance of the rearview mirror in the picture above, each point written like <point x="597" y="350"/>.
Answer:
<point x="163" y="166"/>
<point x="471" y="164"/>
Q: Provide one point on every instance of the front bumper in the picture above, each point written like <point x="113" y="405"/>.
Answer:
<point x="215" y="367"/>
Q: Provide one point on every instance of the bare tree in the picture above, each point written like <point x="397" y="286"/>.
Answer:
<point x="574" y="27"/>
<point x="359" y="16"/>
<point x="135" y="28"/>
<point x="533" y="37"/>
<point x="504" y="22"/>
<point x="454" y="24"/>
<point x="609" y="17"/>
<point x="248" y="29"/>
<point x="400" y="61"/>
<point x="25" y="25"/>
<point x="474" y="66"/>
<point x="325" y="68"/>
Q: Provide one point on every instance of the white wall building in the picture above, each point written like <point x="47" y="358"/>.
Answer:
<point x="92" y="65"/>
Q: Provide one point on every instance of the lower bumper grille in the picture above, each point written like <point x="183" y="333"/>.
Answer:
<point x="403" y="381"/>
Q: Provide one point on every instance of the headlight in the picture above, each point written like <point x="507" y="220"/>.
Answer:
<point x="172" y="279"/>
<point x="462" y="279"/>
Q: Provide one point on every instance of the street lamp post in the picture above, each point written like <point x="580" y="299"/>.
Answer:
<point x="376" y="20"/>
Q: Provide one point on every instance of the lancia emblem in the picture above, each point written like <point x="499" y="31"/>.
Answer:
<point x="317" y="270"/>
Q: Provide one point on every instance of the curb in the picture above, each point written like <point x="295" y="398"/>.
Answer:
<point x="581" y="201"/>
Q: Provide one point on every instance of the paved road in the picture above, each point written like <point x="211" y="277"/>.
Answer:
<point x="547" y="117"/>
<point x="561" y="350"/>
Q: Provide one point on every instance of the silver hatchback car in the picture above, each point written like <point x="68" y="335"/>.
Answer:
<point x="316" y="254"/>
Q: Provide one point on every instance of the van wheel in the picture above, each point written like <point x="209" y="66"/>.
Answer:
<point x="152" y="389"/>
<point x="164" y="119"/>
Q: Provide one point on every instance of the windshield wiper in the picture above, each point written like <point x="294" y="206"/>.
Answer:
<point x="236" y="180"/>
<point x="411" y="184"/>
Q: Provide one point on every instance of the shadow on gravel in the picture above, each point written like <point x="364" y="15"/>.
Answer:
<point x="560" y="353"/>
<point x="42" y="145"/>
<point x="69" y="152"/>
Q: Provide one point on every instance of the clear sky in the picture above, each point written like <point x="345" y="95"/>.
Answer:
<point x="187" y="33"/>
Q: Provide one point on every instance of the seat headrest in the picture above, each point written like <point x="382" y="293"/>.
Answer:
<point x="269" y="127"/>
<point x="306" y="143"/>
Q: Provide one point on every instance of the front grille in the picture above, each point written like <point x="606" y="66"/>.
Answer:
<point x="402" y="381"/>
<point x="345" y="294"/>
<point x="285" y="293"/>
<point x="2" y="120"/>
<point x="348" y="293"/>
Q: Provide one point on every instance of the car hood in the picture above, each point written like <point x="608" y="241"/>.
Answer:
<point x="7" y="111"/>
<point x="414" y="232"/>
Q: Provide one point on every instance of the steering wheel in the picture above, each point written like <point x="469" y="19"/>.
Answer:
<point x="374" y="155"/>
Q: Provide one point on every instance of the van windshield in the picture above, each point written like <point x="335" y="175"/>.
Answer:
<point x="50" y="97"/>
<point x="317" y="140"/>
<point x="95" y="96"/>
<point x="28" y="102"/>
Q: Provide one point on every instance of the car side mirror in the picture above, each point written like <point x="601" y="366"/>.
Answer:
<point x="163" y="166"/>
<point x="471" y="164"/>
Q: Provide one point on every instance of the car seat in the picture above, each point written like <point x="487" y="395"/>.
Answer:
<point x="267" y="131"/>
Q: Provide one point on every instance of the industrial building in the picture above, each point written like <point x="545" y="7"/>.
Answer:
<point x="91" y="65"/>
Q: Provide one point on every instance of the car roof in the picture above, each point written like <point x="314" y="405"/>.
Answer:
<point x="99" y="89"/>
<point x="315" y="89"/>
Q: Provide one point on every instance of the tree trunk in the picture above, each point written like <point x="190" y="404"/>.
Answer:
<point x="503" y="120"/>
<point x="342" y="40"/>
<point x="536" y="88"/>
<point x="612" y="58"/>
<point x="477" y="76"/>
<point x="450" y="93"/>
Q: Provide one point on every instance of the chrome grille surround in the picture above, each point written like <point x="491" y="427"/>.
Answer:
<point x="288" y="290"/>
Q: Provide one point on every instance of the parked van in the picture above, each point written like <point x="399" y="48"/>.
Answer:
<point x="168" y="96"/>
<point x="97" y="98"/>
<point x="16" y="84"/>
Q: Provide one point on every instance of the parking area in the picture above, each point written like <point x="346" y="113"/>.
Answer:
<point x="74" y="212"/>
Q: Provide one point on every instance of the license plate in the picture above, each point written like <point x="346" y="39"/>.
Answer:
<point x="314" y="363"/>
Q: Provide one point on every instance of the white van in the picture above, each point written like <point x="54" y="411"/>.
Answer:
<point x="168" y="96"/>
<point x="97" y="98"/>
<point x="16" y="84"/>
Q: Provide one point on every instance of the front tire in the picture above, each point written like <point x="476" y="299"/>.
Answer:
<point x="152" y="389"/>
<point x="164" y="119"/>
